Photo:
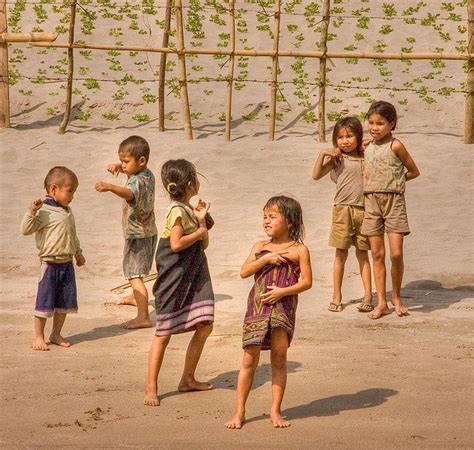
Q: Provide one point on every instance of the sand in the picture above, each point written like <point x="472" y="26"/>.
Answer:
<point x="392" y="383"/>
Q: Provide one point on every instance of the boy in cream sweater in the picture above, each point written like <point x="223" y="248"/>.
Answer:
<point x="52" y="222"/>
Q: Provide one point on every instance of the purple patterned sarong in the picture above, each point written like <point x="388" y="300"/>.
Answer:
<point x="261" y="318"/>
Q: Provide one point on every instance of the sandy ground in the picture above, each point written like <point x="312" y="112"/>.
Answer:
<point x="393" y="383"/>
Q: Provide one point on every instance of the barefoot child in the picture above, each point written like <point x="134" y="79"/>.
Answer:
<point x="345" y="163"/>
<point x="52" y="222"/>
<point x="138" y="221"/>
<point x="282" y="269"/>
<point x="386" y="159"/>
<point x="184" y="299"/>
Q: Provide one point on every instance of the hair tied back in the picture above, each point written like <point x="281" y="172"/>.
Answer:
<point x="169" y="186"/>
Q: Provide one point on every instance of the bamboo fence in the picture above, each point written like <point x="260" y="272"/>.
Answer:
<point x="181" y="51"/>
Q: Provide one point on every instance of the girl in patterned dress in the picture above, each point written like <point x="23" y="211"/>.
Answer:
<point x="282" y="269"/>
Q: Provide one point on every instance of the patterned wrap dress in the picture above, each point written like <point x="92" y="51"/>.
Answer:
<point x="261" y="318"/>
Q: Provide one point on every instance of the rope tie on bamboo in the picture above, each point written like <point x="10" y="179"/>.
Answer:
<point x="169" y="186"/>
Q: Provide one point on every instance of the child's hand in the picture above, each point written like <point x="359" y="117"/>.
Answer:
<point x="201" y="210"/>
<point x="335" y="154"/>
<point x="273" y="295"/>
<point x="36" y="205"/>
<point x="114" y="169"/>
<point x="101" y="186"/>
<point x="275" y="258"/>
<point x="80" y="260"/>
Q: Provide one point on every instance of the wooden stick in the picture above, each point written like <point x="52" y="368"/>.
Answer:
<point x="322" y="72"/>
<point x="276" y="46"/>
<point x="230" y="71"/>
<point x="28" y="37"/>
<point x="281" y="53"/>
<point x="119" y="289"/>
<point x="70" y="70"/>
<point x="469" y="107"/>
<point x="4" y="87"/>
<point x="161" y="85"/>
<point x="188" y="130"/>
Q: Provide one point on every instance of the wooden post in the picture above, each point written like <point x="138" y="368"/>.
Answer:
<point x="182" y="70"/>
<point x="163" y="56"/>
<point x="230" y="71"/>
<point x="469" y="109"/>
<point x="70" y="72"/>
<point x="276" y="48"/>
<point x="4" y="94"/>
<point x="322" y="71"/>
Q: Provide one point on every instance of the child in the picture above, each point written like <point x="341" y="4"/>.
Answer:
<point x="184" y="299"/>
<point x="282" y="269"/>
<point x="346" y="164"/>
<point x="138" y="220"/>
<point x="386" y="159"/>
<point x="52" y="222"/>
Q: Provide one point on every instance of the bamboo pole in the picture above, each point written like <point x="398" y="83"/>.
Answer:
<point x="182" y="70"/>
<point x="161" y="86"/>
<point x="469" y="108"/>
<point x="281" y="53"/>
<point x="4" y="94"/>
<point x="230" y="71"/>
<point x="70" y="70"/>
<point x="276" y="47"/>
<point x="28" y="37"/>
<point x="322" y="72"/>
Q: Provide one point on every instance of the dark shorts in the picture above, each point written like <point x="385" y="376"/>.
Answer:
<point x="138" y="256"/>
<point x="56" y="290"/>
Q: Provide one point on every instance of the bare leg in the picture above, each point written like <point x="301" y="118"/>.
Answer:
<point x="155" y="359"/>
<point x="364" y="268"/>
<point x="244" y="384"/>
<point x="337" y="276"/>
<point x="39" y="343"/>
<point x="140" y="294"/>
<point x="279" y="374"/>
<point x="377" y="248"/>
<point x="195" y="347"/>
<point x="396" y="256"/>
<point x="55" y="337"/>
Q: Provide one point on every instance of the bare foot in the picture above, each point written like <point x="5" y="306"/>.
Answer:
<point x="136" y="323"/>
<point x="278" y="421"/>
<point x="400" y="308"/>
<point x="151" y="398"/>
<point x="57" y="339"/>
<point x="128" y="300"/>
<point x="236" y="422"/>
<point x="39" y="344"/>
<point x="193" y="385"/>
<point x="377" y="313"/>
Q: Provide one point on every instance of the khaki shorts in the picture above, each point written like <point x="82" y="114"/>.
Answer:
<point x="346" y="225"/>
<point x="138" y="257"/>
<point x="385" y="212"/>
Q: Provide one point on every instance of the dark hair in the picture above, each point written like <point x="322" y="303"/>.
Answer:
<point x="177" y="175"/>
<point x="59" y="175"/>
<point x="292" y="212"/>
<point x="384" y="109"/>
<point x="353" y="123"/>
<point x="135" y="146"/>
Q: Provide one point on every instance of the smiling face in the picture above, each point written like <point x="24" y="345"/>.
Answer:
<point x="63" y="194"/>
<point x="379" y="127"/>
<point x="346" y="140"/>
<point x="274" y="222"/>
<point x="131" y="165"/>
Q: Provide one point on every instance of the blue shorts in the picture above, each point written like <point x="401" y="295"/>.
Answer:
<point x="56" y="290"/>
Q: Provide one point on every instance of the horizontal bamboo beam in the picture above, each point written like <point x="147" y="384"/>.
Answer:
<point x="271" y="53"/>
<point x="28" y="37"/>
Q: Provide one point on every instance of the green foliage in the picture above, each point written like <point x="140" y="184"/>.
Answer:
<point x="141" y="117"/>
<point x="251" y="116"/>
<point x="110" y="115"/>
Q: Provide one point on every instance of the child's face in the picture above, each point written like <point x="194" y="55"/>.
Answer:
<point x="63" y="194"/>
<point x="346" y="140"/>
<point x="130" y="165"/>
<point x="379" y="127"/>
<point x="193" y="188"/>
<point x="274" y="223"/>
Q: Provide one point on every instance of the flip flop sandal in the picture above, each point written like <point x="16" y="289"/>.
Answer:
<point x="335" y="307"/>
<point x="365" y="307"/>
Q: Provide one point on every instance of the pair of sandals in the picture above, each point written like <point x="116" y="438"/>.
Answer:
<point x="362" y="307"/>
